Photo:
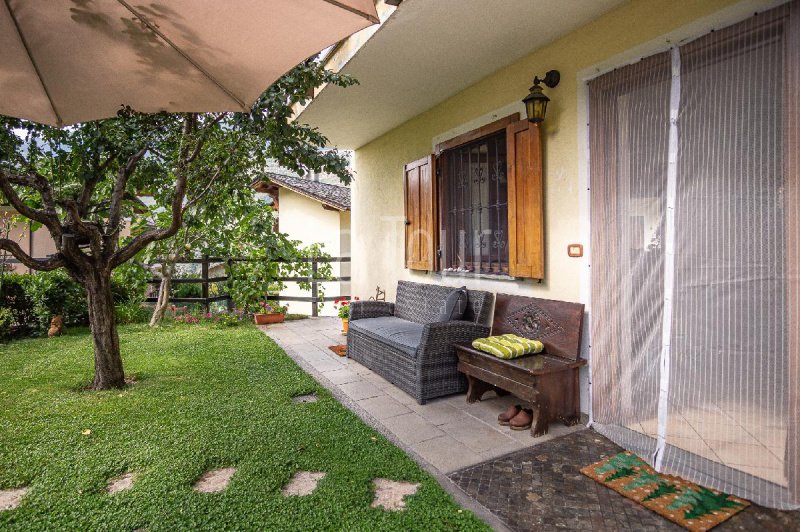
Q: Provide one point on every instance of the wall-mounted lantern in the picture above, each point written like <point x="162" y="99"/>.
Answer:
<point x="536" y="101"/>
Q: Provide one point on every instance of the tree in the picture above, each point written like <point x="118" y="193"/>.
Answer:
<point x="231" y="222"/>
<point x="82" y="182"/>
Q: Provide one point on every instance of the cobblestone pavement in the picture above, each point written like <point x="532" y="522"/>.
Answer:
<point x="541" y="488"/>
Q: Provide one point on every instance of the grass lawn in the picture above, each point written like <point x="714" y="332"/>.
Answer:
<point x="204" y="398"/>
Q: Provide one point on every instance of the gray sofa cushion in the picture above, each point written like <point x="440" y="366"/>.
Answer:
<point x="402" y="334"/>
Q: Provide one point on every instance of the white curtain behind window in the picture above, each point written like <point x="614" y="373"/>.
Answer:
<point x="710" y="314"/>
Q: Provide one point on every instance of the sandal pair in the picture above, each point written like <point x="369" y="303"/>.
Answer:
<point x="516" y="417"/>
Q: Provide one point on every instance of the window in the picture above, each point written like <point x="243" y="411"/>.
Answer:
<point x="477" y="207"/>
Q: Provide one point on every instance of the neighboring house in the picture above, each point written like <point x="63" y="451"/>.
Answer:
<point x="669" y="152"/>
<point x="313" y="211"/>
<point x="36" y="243"/>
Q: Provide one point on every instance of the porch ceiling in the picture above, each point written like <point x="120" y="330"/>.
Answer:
<point x="429" y="50"/>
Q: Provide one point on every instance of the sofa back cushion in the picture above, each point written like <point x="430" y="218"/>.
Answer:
<point x="454" y="305"/>
<point x="422" y="303"/>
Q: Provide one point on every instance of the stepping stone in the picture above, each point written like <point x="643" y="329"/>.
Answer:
<point x="120" y="483"/>
<point x="308" y="398"/>
<point x="10" y="499"/>
<point x="390" y="494"/>
<point x="215" y="480"/>
<point x="303" y="483"/>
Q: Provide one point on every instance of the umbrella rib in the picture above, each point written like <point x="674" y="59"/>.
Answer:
<point x="351" y="9"/>
<point x="183" y="54"/>
<point x="24" y="42"/>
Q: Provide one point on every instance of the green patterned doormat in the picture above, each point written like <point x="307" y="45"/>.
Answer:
<point x="691" y="506"/>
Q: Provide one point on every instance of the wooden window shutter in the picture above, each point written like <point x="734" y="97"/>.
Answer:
<point x="525" y="201"/>
<point x="420" y="204"/>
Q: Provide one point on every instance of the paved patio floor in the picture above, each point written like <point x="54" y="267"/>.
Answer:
<point x="475" y="459"/>
<point x="447" y="433"/>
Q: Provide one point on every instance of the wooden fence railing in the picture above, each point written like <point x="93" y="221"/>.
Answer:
<point x="204" y="281"/>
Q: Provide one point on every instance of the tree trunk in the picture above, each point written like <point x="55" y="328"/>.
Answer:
<point x="163" y="294"/>
<point x="108" y="372"/>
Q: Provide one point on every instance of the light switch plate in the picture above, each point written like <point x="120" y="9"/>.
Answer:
<point x="575" y="250"/>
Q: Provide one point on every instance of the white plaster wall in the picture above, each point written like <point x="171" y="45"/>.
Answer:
<point x="305" y="220"/>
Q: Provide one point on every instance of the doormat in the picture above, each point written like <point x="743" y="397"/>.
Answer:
<point x="340" y="350"/>
<point x="685" y="503"/>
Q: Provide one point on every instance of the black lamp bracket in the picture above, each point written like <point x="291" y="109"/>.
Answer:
<point x="551" y="78"/>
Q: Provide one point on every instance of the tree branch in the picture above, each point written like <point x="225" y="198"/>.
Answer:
<point x="89" y="230"/>
<point x="118" y="192"/>
<point x="214" y="177"/>
<point x="203" y="138"/>
<point x="44" y="265"/>
<point x="48" y="217"/>
<point x="140" y="242"/>
<point x="91" y="183"/>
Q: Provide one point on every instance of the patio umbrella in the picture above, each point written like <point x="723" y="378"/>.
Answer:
<point x="68" y="61"/>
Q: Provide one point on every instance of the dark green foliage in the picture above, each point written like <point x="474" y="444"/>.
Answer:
<point x="129" y="312"/>
<point x="129" y="283"/>
<point x="34" y="299"/>
<point x="187" y="290"/>
<point x="204" y="398"/>
<point x="6" y="324"/>
<point x="14" y="297"/>
<point x="664" y="488"/>
<point x="702" y="501"/>
<point x="54" y="293"/>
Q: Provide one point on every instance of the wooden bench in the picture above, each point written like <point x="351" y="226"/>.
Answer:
<point x="549" y="381"/>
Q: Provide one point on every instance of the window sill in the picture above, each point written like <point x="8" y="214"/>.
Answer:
<point x="473" y="275"/>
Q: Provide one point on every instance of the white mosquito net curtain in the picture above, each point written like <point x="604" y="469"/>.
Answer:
<point x="695" y="209"/>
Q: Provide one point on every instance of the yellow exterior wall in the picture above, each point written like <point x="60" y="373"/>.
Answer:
<point x="305" y="220"/>
<point x="43" y="244"/>
<point x="378" y="188"/>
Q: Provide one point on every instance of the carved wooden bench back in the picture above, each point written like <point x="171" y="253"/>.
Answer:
<point x="558" y="324"/>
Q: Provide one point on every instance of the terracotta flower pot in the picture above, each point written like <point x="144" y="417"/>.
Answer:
<point x="265" y="319"/>
<point x="345" y="325"/>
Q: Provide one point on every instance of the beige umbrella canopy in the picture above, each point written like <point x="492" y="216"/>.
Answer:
<point x="69" y="61"/>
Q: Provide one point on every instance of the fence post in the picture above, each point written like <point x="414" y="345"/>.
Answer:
<point x="314" y="289"/>
<point x="229" y="301"/>
<point x="204" y="274"/>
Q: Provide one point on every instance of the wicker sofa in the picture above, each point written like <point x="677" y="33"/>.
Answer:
<point x="403" y="342"/>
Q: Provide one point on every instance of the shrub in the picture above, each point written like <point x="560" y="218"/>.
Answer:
<point x="129" y="283"/>
<point x="54" y="293"/>
<point x="185" y="316"/>
<point x="14" y="298"/>
<point x="187" y="290"/>
<point x="131" y="312"/>
<point x="6" y="323"/>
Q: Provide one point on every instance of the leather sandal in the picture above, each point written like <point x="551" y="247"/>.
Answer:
<point x="506" y="417"/>
<point x="523" y="420"/>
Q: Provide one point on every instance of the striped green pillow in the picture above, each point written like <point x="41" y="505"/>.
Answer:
<point x="508" y="346"/>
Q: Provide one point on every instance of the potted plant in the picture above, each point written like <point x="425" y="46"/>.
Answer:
<point x="270" y="313"/>
<point x="343" y="308"/>
<point x="250" y="284"/>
